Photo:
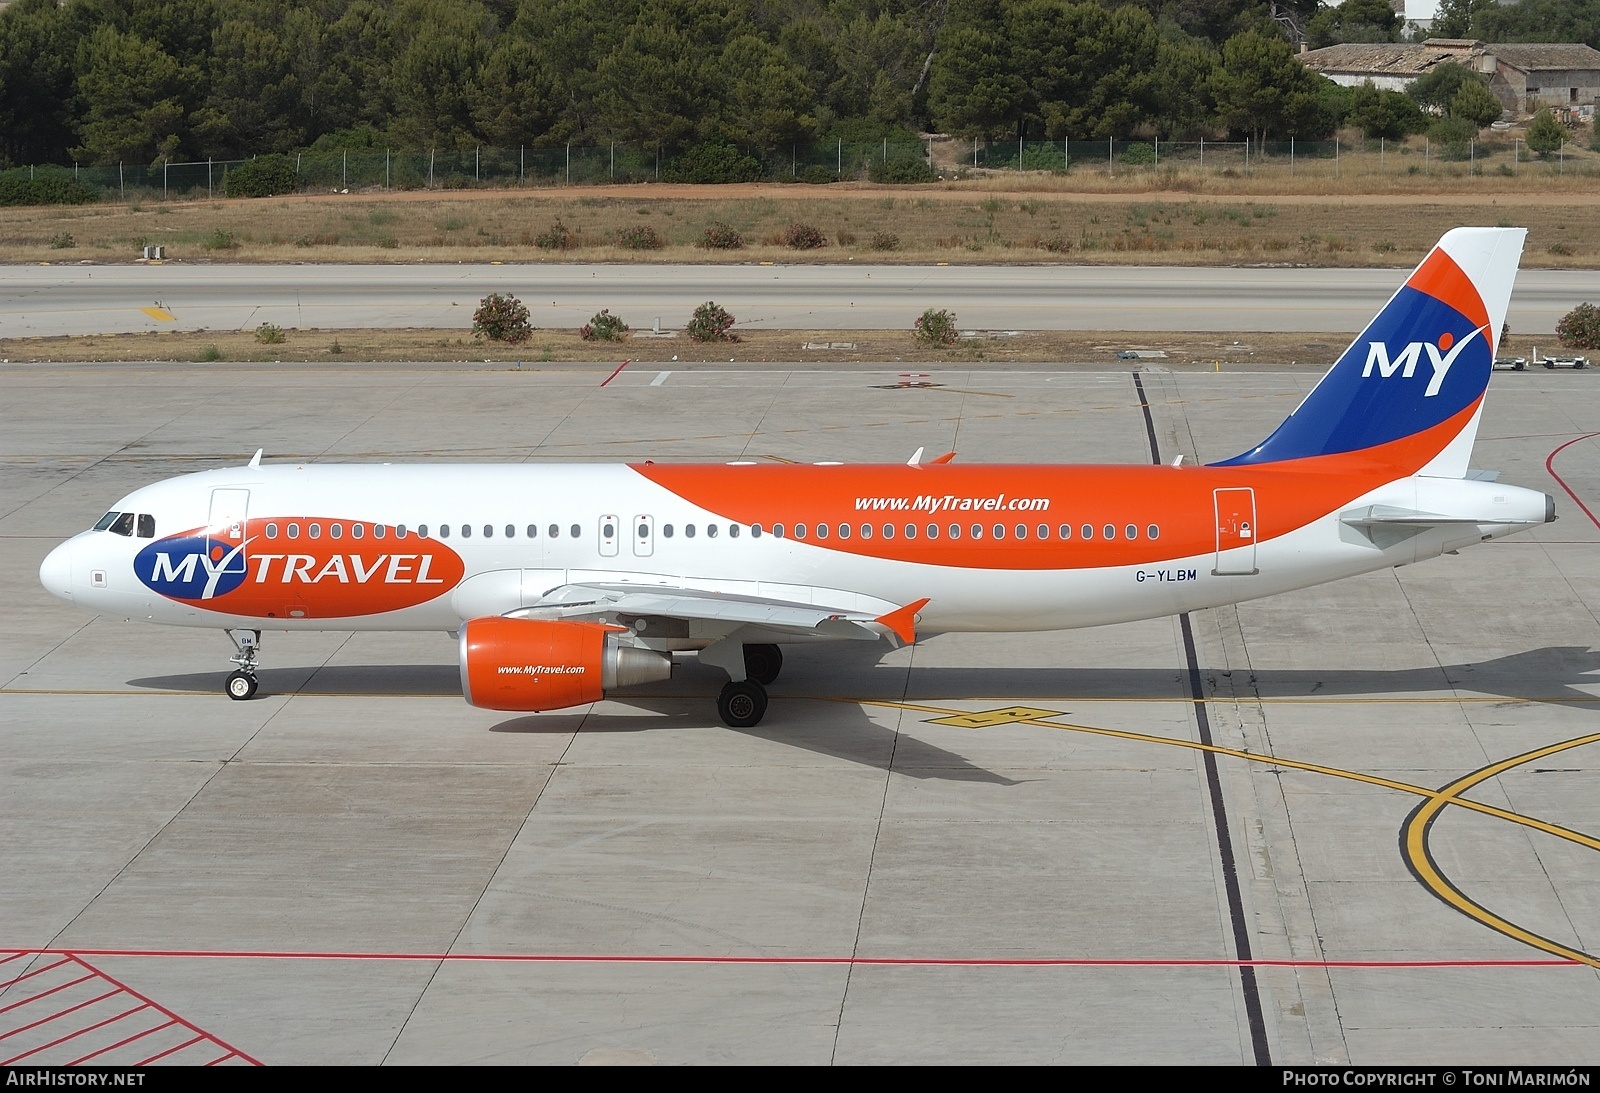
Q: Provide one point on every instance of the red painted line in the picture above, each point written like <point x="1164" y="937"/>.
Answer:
<point x="36" y="971"/>
<point x="153" y="1004"/>
<point x="221" y="1059"/>
<point x="121" y="1043"/>
<point x="171" y="1051"/>
<point x="62" y="1013"/>
<point x="13" y="956"/>
<point x="44" y="994"/>
<point x="613" y="375"/>
<point x="841" y="961"/>
<point x="1549" y="465"/>
<point x="71" y="1036"/>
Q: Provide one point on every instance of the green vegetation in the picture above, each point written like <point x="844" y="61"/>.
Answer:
<point x="936" y="327"/>
<point x="16" y="188"/>
<point x="500" y="317"/>
<point x="711" y="323"/>
<point x="604" y="327"/>
<point x="270" y="334"/>
<point x="264" y="176"/>
<point x="1545" y="134"/>
<point x="1580" y="327"/>
<point x="720" y="236"/>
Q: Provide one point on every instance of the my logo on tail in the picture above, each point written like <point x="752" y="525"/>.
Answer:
<point x="1441" y="356"/>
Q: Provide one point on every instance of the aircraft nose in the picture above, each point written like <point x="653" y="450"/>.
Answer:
<point x="55" y="572"/>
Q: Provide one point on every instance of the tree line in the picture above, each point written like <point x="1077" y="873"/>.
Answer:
<point x="109" y="81"/>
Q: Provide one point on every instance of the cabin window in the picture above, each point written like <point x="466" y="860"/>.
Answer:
<point x="955" y="531"/>
<point x="147" y="526"/>
<point x="777" y="531"/>
<point x="272" y="531"/>
<point x="106" y="521"/>
<point x="123" y="524"/>
<point x="608" y="530"/>
<point x="711" y="531"/>
<point x="977" y="531"/>
<point x="1087" y="531"/>
<point x="688" y="531"/>
<point x="1065" y="530"/>
<point x="733" y="531"/>
<point x="399" y="531"/>
<point x="294" y="531"/>
<point x="888" y="531"/>
<point x="666" y="530"/>
<point x="315" y="531"/>
<point x="1153" y="532"/>
<point x="466" y="531"/>
<point x="755" y="531"/>
<point x="357" y="531"/>
<point x="999" y="531"/>
<point x="644" y="531"/>
<point x="511" y="531"/>
<point x="422" y="531"/>
<point x="933" y="531"/>
<point x="488" y="531"/>
<point x="533" y="531"/>
<point x="1109" y="531"/>
<point x="822" y="531"/>
<point x="577" y="532"/>
<point x="1043" y="531"/>
<point x="1131" y="531"/>
<point x="379" y="531"/>
<point x="554" y="531"/>
<point x="911" y="531"/>
<point x="1022" y="531"/>
<point x="866" y="531"/>
<point x="799" y="531"/>
<point x="844" y="531"/>
<point x="444" y="531"/>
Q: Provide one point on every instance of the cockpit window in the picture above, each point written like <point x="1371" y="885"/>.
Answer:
<point x="123" y="525"/>
<point x="107" y="520"/>
<point x="147" y="526"/>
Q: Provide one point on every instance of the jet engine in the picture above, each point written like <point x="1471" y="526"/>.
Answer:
<point x="533" y="664"/>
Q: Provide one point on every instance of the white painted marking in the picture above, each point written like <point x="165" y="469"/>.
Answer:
<point x="661" y="377"/>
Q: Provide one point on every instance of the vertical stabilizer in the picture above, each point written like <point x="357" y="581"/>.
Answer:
<point x="1410" y="388"/>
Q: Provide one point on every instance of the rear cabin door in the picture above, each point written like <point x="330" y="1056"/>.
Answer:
<point x="1236" y="532"/>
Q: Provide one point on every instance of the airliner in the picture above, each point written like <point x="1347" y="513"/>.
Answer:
<point x="562" y="583"/>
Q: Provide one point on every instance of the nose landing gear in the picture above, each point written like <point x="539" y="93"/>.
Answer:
<point x="241" y="684"/>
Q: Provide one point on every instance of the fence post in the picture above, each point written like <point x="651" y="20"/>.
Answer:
<point x="1427" y="155"/>
<point x="122" y="187"/>
<point x="1158" y="153"/>
<point x="1516" y="153"/>
<point x="386" y="182"/>
<point x="477" y="156"/>
<point x="1472" y="155"/>
<point x="794" y="159"/>
<point x="1291" y="157"/>
<point x="1202" y="155"/>
<point x="1336" y="157"/>
<point x="164" y="165"/>
<point x="1246" y="157"/>
<point x="613" y="161"/>
<point x="430" y="168"/>
<point x="522" y="162"/>
<point x="1019" y="151"/>
<point x="1561" y="158"/>
<point x="974" y="153"/>
<point x="1111" y="166"/>
<point x="208" y="178"/>
<point x="885" y="149"/>
<point x="569" y="163"/>
<point x="1380" y="155"/>
<point x="344" y="170"/>
<point x="838" y="153"/>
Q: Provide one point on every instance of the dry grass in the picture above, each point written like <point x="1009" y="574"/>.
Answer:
<point x="970" y="223"/>
<point x="226" y="348"/>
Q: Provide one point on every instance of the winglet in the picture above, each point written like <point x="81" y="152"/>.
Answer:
<point x="255" y="460"/>
<point x="903" y="621"/>
<point x="945" y="458"/>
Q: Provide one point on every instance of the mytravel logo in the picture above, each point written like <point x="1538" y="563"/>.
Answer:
<point x="300" y="567"/>
<point x="1441" y="356"/>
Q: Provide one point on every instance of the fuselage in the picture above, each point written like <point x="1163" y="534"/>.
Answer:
<point x="991" y="547"/>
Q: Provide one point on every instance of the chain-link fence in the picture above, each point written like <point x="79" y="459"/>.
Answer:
<point x="826" y="161"/>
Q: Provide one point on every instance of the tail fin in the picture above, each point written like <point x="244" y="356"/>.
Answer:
<point x="1410" y="388"/>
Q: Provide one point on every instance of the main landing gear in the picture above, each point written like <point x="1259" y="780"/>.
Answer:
<point x="242" y="684"/>
<point x="743" y="702"/>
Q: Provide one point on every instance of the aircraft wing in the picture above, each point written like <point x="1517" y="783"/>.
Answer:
<point x="683" y="613"/>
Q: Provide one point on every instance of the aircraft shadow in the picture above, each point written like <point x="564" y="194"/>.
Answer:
<point x="1553" y="675"/>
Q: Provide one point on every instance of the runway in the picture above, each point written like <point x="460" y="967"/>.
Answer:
<point x="43" y="301"/>
<point x="1351" y="825"/>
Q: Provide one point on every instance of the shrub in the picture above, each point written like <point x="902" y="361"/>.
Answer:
<point x="211" y="353"/>
<point x="1563" y="249"/>
<point x="711" y="324"/>
<point x="220" y="239"/>
<point x="818" y="175"/>
<point x="1056" y="244"/>
<point x="1139" y="154"/>
<point x="1545" y="133"/>
<point x="846" y="237"/>
<point x="264" y="176"/>
<point x="798" y="236"/>
<point x="556" y="237"/>
<point x="720" y="236"/>
<point x="901" y="172"/>
<point x="638" y="237"/>
<point x="936" y="327"/>
<point x="1580" y="327"/>
<point x="62" y="241"/>
<point x="16" y="188"/>
<point x="502" y="317"/>
<point x="882" y="240"/>
<point x="1452" y="137"/>
<point x="713" y="162"/>
<point x="604" y="327"/>
<point x="269" y="334"/>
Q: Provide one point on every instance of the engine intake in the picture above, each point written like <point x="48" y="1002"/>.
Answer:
<point x="532" y="664"/>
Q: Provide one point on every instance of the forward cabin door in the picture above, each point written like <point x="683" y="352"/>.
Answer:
<point x="1236" y="532"/>
<point x="644" y="536"/>
<point x="225" y="531"/>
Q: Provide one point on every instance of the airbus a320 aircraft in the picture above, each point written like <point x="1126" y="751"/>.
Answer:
<point x="564" y="582"/>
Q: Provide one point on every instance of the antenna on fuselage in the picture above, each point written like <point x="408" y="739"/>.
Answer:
<point x="255" y="460"/>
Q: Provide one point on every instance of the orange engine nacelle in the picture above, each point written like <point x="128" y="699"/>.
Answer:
<point x="530" y="664"/>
